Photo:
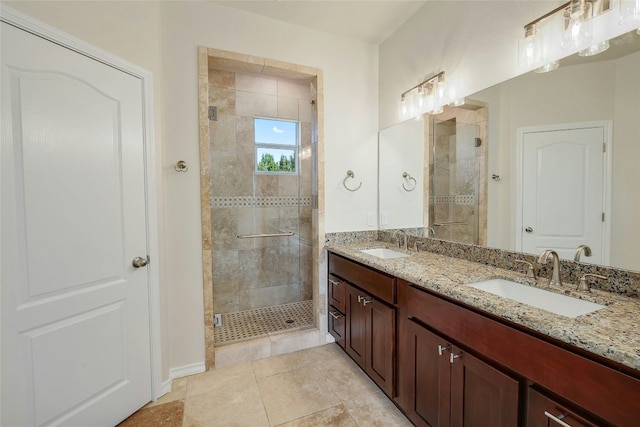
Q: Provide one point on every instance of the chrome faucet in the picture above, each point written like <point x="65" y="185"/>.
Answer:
<point x="405" y="238"/>
<point x="579" y="250"/>
<point x="555" y="275"/>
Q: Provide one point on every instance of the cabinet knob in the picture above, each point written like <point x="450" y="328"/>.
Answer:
<point x="558" y="419"/>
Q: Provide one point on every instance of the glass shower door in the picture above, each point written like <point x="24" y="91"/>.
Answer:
<point x="454" y="169"/>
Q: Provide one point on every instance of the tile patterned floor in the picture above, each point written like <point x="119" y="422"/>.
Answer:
<point x="320" y="386"/>
<point x="250" y="324"/>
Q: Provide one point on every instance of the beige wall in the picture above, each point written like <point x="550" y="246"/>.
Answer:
<point x="163" y="37"/>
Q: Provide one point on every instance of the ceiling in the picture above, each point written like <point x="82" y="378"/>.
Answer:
<point x="369" y="21"/>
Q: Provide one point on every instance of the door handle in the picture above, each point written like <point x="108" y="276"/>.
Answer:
<point x="529" y="230"/>
<point x="139" y="262"/>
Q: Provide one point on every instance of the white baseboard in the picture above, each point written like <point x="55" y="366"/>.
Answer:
<point x="183" y="371"/>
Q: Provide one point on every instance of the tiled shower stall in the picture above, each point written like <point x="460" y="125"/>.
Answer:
<point x="260" y="284"/>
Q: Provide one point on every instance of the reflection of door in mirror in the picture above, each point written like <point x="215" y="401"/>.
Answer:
<point x="457" y="175"/>
<point x="563" y="194"/>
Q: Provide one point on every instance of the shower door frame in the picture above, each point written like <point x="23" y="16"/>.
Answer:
<point x="257" y="65"/>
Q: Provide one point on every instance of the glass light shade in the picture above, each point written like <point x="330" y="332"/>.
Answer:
<point x="458" y="102"/>
<point x="577" y="33"/>
<point x="629" y="11"/>
<point x="437" y="110"/>
<point x="531" y="50"/>
<point x="595" y="49"/>
<point x="547" y="67"/>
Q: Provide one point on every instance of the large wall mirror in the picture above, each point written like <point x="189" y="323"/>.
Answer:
<point x="598" y="94"/>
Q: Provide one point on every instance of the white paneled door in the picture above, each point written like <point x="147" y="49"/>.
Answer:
<point x="75" y="310"/>
<point x="563" y="191"/>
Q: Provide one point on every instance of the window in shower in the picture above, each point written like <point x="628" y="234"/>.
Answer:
<point x="277" y="144"/>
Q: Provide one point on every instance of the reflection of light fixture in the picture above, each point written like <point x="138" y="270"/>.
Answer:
<point x="577" y="25"/>
<point x="595" y="49"/>
<point x="530" y="47"/>
<point x="577" y="32"/>
<point x="426" y="97"/>
<point x="630" y="11"/>
<point x="547" y="67"/>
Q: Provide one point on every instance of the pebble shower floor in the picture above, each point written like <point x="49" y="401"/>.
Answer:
<point x="250" y="324"/>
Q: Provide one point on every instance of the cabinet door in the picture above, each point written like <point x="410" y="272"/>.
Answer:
<point x="427" y="374"/>
<point x="356" y="342"/>
<point x="480" y="394"/>
<point x="381" y="326"/>
<point x="337" y="326"/>
<point x="337" y="293"/>
<point x="545" y="412"/>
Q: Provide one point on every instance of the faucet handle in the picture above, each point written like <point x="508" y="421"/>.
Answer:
<point x="530" y="271"/>
<point x="583" y="286"/>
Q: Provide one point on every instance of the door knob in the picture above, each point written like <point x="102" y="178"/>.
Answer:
<point x="529" y="230"/>
<point x="140" y="262"/>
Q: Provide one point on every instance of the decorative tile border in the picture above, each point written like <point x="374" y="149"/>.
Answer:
<point x="458" y="199"/>
<point x="260" y="201"/>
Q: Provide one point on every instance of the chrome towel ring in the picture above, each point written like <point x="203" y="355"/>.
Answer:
<point x="408" y="177"/>
<point x="350" y="174"/>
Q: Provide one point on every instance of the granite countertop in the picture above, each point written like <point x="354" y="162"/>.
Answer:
<point x="612" y="332"/>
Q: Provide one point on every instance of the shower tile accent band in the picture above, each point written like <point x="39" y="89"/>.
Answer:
<point x="260" y="201"/>
<point x="458" y="199"/>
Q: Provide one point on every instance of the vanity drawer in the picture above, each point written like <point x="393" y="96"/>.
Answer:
<point x="374" y="282"/>
<point x="337" y="292"/>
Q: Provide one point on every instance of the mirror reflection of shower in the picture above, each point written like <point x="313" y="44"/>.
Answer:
<point x="457" y="175"/>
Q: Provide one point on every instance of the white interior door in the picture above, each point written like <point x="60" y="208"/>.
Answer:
<point x="563" y="199"/>
<point x="75" y="311"/>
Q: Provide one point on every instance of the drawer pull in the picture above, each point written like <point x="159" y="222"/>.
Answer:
<point x="442" y="349"/>
<point x="360" y="298"/>
<point x="557" y="419"/>
<point x="334" y="315"/>
<point x="334" y="282"/>
<point x="366" y="301"/>
<point x="452" y="357"/>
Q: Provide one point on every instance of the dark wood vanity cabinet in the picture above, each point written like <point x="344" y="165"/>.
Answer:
<point x="446" y="363"/>
<point x="450" y="387"/>
<point x="369" y="318"/>
<point x="371" y="336"/>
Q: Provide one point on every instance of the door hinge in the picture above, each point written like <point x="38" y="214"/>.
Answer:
<point x="604" y="147"/>
<point x="602" y="216"/>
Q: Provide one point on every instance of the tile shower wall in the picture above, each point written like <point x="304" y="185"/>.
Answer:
<point x="261" y="272"/>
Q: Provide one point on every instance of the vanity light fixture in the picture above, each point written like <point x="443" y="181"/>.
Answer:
<point x="577" y="32"/>
<point x="426" y="97"/>
<point x="458" y="102"/>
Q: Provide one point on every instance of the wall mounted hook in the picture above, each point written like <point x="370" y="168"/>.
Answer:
<point x="495" y="177"/>
<point x="350" y="174"/>
<point x="181" y="166"/>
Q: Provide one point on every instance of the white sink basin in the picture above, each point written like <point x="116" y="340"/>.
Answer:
<point x="539" y="298"/>
<point x="384" y="253"/>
